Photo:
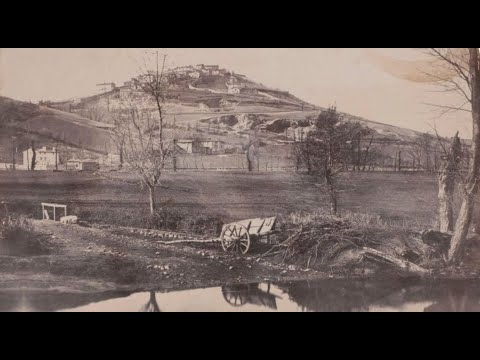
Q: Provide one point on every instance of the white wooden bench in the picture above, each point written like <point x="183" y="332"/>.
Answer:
<point x="45" y="206"/>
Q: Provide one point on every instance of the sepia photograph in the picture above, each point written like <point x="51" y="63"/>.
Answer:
<point x="239" y="180"/>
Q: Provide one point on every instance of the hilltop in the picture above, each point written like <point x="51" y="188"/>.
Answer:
<point x="220" y="101"/>
<point x="203" y="101"/>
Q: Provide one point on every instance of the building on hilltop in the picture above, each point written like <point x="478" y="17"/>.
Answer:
<point x="234" y="88"/>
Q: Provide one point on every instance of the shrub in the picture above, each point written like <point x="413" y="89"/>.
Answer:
<point x="184" y="220"/>
<point x="17" y="238"/>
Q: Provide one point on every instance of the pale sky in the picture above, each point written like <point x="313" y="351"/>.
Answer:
<point x="347" y="77"/>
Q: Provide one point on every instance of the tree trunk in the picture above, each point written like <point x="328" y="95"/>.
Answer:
<point x="445" y="211"/>
<point x="56" y="157"/>
<point x="121" y="156"/>
<point x="250" y="164"/>
<point x="332" y="192"/>
<point x="34" y="157"/>
<point x="476" y="216"/>
<point x="471" y="187"/>
<point x="402" y="264"/>
<point x="153" y="205"/>
<point x="462" y="228"/>
<point x="175" y="155"/>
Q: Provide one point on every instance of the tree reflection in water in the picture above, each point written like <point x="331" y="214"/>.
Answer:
<point x="456" y="297"/>
<point x="151" y="305"/>
<point x="351" y="296"/>
<point x="336" y="296"/>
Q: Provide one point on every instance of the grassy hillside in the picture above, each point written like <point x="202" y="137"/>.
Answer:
<point x="202" y="106"/>
<point x="29" y="121"/>
<point x="206" y="102"/>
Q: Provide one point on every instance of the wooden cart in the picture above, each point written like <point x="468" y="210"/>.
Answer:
<point x="237" y="237"/>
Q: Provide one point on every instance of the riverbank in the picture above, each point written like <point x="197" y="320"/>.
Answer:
<point x="106" y="258"/>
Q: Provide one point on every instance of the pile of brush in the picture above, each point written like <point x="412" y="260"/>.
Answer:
<point x="316" y="239"/>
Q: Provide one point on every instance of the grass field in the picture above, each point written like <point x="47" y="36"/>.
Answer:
<point x="401" y="198"/>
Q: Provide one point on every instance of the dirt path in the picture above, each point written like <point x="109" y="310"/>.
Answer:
<point x="107" y="258"/>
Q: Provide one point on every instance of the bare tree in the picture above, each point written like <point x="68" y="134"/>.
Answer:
<point x="458" y="71"/>
<point x="140" y="131"/>
<point x="94" y="112"/>
<point x="359" y="153"/>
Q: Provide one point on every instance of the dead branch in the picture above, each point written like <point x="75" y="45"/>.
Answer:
<point x="209" y="241"/>
<point x="403" y="265"/>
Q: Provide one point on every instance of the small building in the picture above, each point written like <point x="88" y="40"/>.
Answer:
<point x="198" y="146"/>
<point x="234" y="88"/>
<point x="194" y="74"/>
<point x="46" y="158"/>
<point x="82" y="165"/>
<point x="186" y="145"/>
<point x="110" y="160"/>
<point x="212" y="146"/>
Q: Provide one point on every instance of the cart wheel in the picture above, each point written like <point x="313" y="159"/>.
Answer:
<point x="235" y="238"/>
<point x="234" y="296"/>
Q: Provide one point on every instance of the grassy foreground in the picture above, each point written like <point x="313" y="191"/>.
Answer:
<point x="405" y="199"/>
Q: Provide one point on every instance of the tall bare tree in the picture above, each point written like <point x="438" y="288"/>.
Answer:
<point x="139" y="130"/>
<point x="458" y="71"/>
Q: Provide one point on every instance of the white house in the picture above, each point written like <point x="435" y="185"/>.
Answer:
<point x="186" y="145"/>
<point x="46" y="158"/>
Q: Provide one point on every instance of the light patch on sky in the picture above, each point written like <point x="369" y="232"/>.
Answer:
<point x="347" y="77"/>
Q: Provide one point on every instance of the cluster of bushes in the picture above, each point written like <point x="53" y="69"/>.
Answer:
<point x="17" y="238"/>
<point x="185" y="220"/>
<point x="167" y="217"/>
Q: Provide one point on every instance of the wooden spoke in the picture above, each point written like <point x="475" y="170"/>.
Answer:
<point x="235" y="238"/>
<point x="236" y="297"/>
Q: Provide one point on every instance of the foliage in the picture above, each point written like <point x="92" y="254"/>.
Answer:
<point x="330" y="148"/>
<point x="186" y="221"/>
<point x="18" y="238"/>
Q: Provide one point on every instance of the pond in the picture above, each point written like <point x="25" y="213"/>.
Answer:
<point x="303" y="296"/>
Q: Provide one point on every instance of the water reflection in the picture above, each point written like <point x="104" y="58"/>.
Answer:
<point x="319" y="296"/>
<point x="152" y="304"/>
<point x="240" y="295"/>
